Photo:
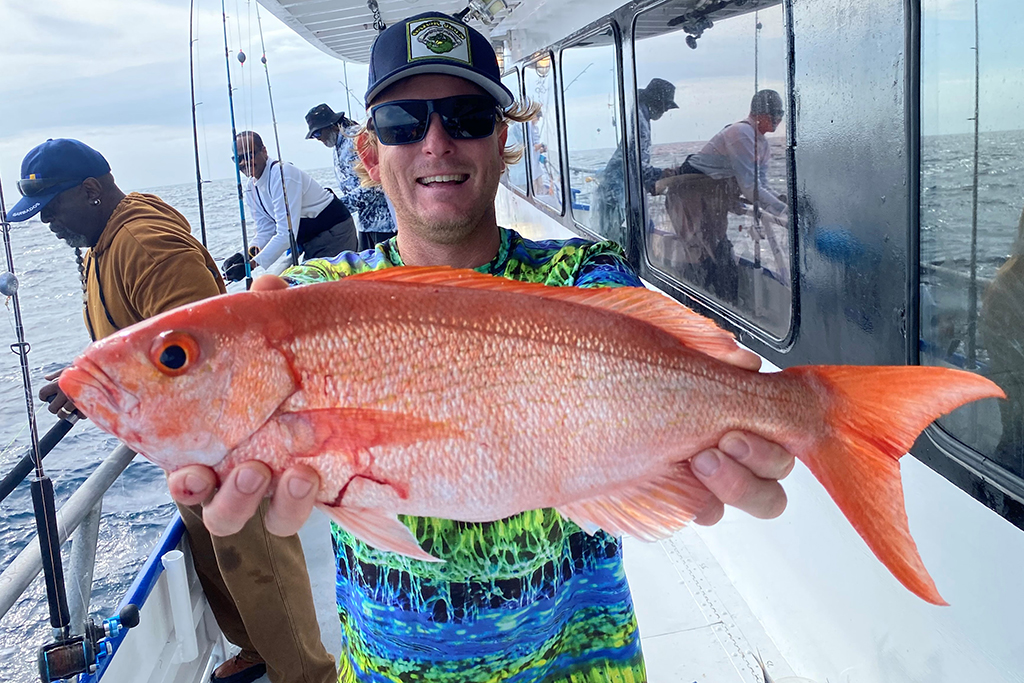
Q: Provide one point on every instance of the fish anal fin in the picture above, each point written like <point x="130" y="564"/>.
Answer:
<point x="355" y="430"/>
<point x="380" y="529"/>
<point x="692" y="329"/>
<point x="649" y="510"/>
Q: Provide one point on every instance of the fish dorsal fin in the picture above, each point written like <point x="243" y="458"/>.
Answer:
<point x="692" y="329"/>
<point x="648" y="510"/>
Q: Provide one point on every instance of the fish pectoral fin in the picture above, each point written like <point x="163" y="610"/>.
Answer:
<point x="355" y="430"/>
<point x="649" y="510"/>
<point x="380" y="529"/>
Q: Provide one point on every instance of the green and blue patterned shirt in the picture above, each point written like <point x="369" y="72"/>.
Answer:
<point x="527" y="599"/>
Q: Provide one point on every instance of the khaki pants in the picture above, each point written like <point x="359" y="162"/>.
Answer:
<point x="258" y="588"/>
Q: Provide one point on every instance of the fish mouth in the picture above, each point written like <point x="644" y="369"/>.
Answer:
<point x="95" y="392"/>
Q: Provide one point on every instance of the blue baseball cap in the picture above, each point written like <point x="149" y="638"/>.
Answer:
<point x="51" y="168"/>
<point x="435" y="43"/>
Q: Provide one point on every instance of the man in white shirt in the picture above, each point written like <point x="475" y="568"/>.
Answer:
<point x="321" y="224"/>
<point x="741" y="152"/>
<point x="728" y="173"/>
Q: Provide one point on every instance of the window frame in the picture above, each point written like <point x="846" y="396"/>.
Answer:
<point x="995" y="486"/>
<point x="556" y="77"/>
<point x="683" y="290"/>
<point x="620" y="102"/>
<point x="521" y="191"/>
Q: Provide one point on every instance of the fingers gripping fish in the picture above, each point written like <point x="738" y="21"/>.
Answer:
<point x="483" y="397"/>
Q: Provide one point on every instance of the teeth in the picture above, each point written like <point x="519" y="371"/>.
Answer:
<point x="443" y="179"/>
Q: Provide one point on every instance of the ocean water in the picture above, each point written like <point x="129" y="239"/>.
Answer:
<point x="137" y="507"/>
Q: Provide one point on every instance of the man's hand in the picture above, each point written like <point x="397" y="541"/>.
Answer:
<point x="228" y="508"/>
<point x="60" y="405"/>
<point x="234" y="267"/>
<point x="744" y="471"/>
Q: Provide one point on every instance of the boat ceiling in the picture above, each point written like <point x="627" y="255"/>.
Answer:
<point x="344" y="28"/>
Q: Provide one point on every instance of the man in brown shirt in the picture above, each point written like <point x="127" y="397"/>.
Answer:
<point x="142" y="261"/>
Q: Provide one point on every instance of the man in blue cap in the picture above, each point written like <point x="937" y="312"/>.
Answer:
<point x="142" y="260"/>
<point x="529" y="598"/>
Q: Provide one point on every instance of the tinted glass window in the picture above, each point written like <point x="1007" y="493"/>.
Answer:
<point x="542" y="133"/>
<point x="516" y="173"/>
<point x="972" y="226"/>
<point x="713" y="153"/>
<point x="590" y="96"/>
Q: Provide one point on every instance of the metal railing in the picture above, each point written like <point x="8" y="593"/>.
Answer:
<point x="81" y="512"/>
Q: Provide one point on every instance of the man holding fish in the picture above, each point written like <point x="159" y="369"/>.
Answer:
<point x="531" y="595"/>
<point x="523" y="404"/>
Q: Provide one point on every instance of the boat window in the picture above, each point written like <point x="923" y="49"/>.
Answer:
<point x="542" y="133"/>
<point x="712" y="109"/>
<point x="590" y="94"/>
<point x="971" y="219"/>
<point x="516" y="172"/>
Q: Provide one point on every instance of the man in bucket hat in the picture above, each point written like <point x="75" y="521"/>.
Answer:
<point x="531" y="597"/>
<point x="375" y="220"/>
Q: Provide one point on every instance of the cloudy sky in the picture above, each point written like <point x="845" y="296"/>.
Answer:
<point x="115" y="74"/>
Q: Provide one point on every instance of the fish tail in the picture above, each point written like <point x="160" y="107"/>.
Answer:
<point x="872" y="416"/>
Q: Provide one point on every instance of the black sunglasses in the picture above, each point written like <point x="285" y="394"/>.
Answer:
<point x="244" y="157"/>
<point x="32" y="187"/>
<point x="464" y="117"/>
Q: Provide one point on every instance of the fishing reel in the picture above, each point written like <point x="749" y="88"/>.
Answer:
<point x="84" y="653"/>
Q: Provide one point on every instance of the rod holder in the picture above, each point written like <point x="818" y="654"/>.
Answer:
<point x="181" y="604"/>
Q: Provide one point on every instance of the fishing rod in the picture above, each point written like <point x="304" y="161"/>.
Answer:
<point x="972" y="298"/>
<point x="195" y="127"/>
<point x="277" y="141"/>
<point x="234" y="146"/>
<point x="67" y="655"/>
<point x="42" y="486"/>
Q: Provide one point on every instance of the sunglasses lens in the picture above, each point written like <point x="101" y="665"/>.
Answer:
<point x="467" y="117"/>
<point x="31" y="187"/>
<point x="400" y="123"/>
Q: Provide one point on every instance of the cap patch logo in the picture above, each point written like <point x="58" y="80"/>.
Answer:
<point x="433" y="38"/>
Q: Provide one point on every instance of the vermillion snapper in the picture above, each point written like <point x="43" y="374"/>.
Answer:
<point x="443" y="393"/>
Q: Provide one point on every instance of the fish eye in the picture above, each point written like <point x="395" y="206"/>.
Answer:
<point x="173" y="353"/>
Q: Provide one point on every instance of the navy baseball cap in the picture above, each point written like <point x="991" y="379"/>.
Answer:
<point x="51" y="168"/>
<point x="435" y="43"/>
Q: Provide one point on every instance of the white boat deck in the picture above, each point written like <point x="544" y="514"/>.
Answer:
<point x="694" y="626"/>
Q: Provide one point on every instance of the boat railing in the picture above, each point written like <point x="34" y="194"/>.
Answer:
<point x="80" y="515"/>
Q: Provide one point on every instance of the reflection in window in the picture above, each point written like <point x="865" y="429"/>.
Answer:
<point x="972" y="228"/>
<point x="542" y="132"/>
<point x="713" y="155"/>
<point x="590" y="94"/>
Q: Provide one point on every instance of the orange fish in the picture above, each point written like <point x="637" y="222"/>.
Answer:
<point x="443" y="393"/>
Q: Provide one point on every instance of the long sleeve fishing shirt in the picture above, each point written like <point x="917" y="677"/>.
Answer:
<point x="265" y="198"/>
<point x="146" y="262"/>
<point x="739" y="151"/>
<point x="375" y="213"/>
<point x="528" y="598"/>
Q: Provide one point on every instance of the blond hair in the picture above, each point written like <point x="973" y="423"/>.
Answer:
<point x="519" y="112"/>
